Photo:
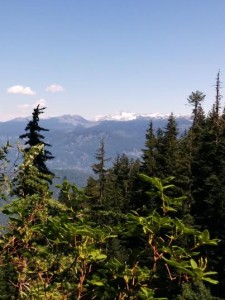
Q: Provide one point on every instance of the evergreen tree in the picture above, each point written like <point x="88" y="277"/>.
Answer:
<point x="208" y="183"/>
<point x="217" y="123"/>
<point x="34" y="137"/>
<point x="170" y="147"/>
<point x="99" y="168"/>
<point x="217" y="105"/>
<point x="149" y="165"/>
<point x="166" y="149"/>
<point x="166" y="155"/>
<point x="198" y="116"/>
<point x="159" y="153"/>
<point x="121" y="184"/>
<point x="160" y="156"/>
<point x="195" y="99"/>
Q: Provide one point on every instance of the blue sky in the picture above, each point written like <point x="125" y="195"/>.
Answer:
<point x="97" y="57"/>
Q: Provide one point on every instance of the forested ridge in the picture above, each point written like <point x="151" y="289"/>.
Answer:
<point x="151" y="228"/>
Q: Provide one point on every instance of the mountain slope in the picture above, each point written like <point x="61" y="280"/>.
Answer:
<point x="75" y="140"/>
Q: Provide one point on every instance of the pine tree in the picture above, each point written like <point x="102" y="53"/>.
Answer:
<point x="34" y="137"/>
<point x="149" y="164"/>
<point x="195" y="99"/>
<point x="159" y="149"/>
<point x="198" y="116"/>
<point x="171" y="146"/>
<point x="120" y="184"/>
<point x="208" y="183"/>
<point x="100" y="169"/>
<point x="217" y="122"/>
<point x="167" y="149"/>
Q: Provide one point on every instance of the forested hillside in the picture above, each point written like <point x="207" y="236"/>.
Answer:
<point x="146" y="228"/>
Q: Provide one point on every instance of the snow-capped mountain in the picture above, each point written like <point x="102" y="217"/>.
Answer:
<point x="128" y="116"/>
<point x="77" y="120"/>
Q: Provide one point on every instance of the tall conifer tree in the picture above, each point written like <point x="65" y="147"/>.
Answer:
<point x="100" y="169"/>
<point x="149" y="164"/>
<point x="208" y="183"/>
<point x="34" y="137"/>
<point x="195" y="99"/>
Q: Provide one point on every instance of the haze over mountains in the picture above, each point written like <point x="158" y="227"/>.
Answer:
<point x="75" y="140"/>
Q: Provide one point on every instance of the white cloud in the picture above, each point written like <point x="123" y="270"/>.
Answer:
<point x="19" y="89"/>
<point x="54" y="88"/>
<point x="24" y="106"/>
<point x="41" y="103"/>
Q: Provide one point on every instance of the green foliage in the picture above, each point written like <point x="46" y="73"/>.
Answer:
<point x="5" y="182"/>
<point x="195" y="291"/>
<point x="168" y="155"/>
<point x="126" y="235"/>
<point x="166" y="238"/>
<point x="51" y="250"/>
<point x="54" y="250"/>
<point x="29" y="180"/>
<point x="207" y="189"/>
<point x="71" y="196"/>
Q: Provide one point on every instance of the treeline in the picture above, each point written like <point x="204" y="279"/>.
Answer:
<point x="151" y="228"/>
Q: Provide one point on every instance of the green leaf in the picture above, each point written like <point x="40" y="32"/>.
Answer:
<point x="96" y="282"/>
<point x="169" y="208"/>
<point x="169" y="186"/>
<point x="156" y="182"/>
<point x="193" y="264"/>
<point x="210" y="280"/>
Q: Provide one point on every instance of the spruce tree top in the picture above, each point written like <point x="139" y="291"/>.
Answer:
<point x="34" y="137"/>
<point x="33" y="129"/>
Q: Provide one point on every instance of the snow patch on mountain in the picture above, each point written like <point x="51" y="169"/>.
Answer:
<point x="122" y="116"/>
<point x="129" y="116"/>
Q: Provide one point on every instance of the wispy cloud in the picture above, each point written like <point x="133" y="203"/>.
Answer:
<point x="54" y="88"/>
<point x="19" y="89"/>
<point x="24" y="106"/>
<point x="41" y="103"/>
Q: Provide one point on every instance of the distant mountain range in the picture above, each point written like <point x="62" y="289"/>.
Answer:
<point x="127" y="116"/>
<point x="75" y="140"/>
